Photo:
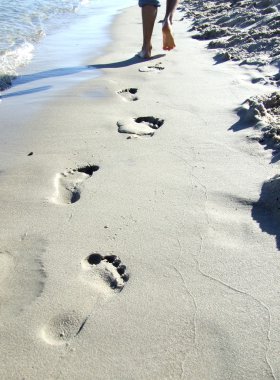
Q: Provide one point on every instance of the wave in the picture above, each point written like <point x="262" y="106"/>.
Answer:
<point x="23" y="23"/>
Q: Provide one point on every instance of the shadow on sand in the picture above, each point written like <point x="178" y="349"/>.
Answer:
<point x="25" y="92"/>
<point x="246" y="121"/>
<point x="266" y="211"/>
<point x="61" y="72"/>
<point x="128" y="62"/>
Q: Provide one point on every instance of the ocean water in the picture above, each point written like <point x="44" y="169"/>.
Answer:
<point x="24" y="24"/>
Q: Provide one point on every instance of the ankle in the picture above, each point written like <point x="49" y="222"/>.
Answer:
<point x="146" y="52"/>
<point x="167" y="19"/>
<point x="147" y="46"/>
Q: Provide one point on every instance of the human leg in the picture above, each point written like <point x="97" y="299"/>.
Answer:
<point x="149" y="14"/>
<point x="168" y="39"/>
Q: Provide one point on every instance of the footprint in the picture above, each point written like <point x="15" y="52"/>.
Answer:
<point x="62" y="328"/>
<point x="106" y="276"/>
<point x="129" y="94"/>
<point x="153" y="68"/>
<point x="105" y="273"/>
<point x="68" y="184"/>
<point x="22" y="275"/>
<point x="141" y="126"/>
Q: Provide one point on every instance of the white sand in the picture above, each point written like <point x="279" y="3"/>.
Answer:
<point x="247" y="32"/>
<point x="199" y="296"/>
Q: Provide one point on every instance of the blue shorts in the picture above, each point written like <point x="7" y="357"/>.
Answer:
<point x="155" y="3"/>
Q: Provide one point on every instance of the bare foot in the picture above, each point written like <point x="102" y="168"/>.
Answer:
<point x="168" y="39"/>
<point x="145" y="53"/>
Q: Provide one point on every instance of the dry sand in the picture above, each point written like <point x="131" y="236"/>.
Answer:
<point x="247" y="32"/>
<point x="147" y="254"/>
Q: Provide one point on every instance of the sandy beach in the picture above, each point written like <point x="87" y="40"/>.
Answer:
<point x="139" y="219"/>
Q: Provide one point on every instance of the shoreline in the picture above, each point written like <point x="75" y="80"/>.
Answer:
<point x="63" y="54"/>
<point x="49" y="85"/>
<point x="174" y="204"/>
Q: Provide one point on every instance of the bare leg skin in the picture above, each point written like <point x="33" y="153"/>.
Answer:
<point x="168" y="39"/>
<point x="149" y="14"/>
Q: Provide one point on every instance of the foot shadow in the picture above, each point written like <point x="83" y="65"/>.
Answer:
<point x="128" y="62"/>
